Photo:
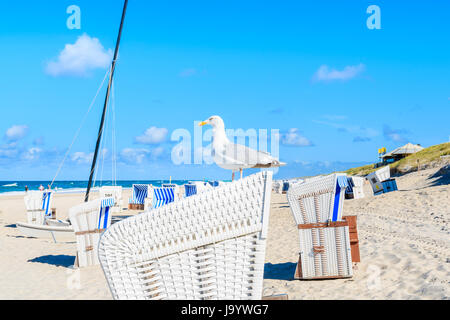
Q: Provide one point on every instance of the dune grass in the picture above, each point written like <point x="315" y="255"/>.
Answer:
<point x="409" y="163"/>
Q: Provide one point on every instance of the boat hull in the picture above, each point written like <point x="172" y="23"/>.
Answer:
<point x="59" y="233"/>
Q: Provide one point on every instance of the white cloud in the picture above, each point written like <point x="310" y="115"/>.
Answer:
<point x="32" y="153"/>
<point x="153" y="135"/>
<point x="82" y="157"/>
<point x="16" y="132"/>
<point x="294" y="138"/>
<point x="326" y="74"/>
<point x="135" y="156"/>
<point x="78" y="59"/>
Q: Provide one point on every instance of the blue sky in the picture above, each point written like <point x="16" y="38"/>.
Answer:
<point x="336" y="90"/>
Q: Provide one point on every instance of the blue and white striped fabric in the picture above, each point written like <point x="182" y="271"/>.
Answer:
<point x="46" y="199"/>
<point x="190" y="189"/>
<point x="342" y="184"/>
<point x="104" y="218"/>
<point x="163" y="196"/>
<point x="140" y="193"/>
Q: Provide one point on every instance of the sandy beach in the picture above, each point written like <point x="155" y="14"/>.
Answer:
<point x="404" y="243"/>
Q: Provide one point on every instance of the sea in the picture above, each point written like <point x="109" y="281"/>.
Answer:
<point x="18" y="187"/>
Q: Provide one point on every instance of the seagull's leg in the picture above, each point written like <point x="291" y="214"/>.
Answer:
<point x="232" y="176"/>
<point x="241" y="171"/>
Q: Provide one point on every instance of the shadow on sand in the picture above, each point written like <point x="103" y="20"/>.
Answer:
<point x="59" y="260"/>
<point x="280" y="271"/>
<point x="442" y="176"/>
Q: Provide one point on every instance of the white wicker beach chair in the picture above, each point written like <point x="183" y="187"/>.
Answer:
<point x="317" y="206"/>
<point x="376" y="179"/>
<point x="38" y="204"/>
<point x="113" y="192"/>
<point x="207" y="246"/>
<point x="89" y="220"/>
<point x="355" y="189"/>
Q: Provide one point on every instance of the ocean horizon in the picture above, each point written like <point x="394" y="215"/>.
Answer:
<point x="75" y="186"/>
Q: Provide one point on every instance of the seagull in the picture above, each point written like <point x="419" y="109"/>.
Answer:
<point x="233" y="156"/>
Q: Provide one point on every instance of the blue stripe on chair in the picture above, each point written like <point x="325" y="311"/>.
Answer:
<point x="46" y="202"/>
<point x="140" y="193"/>
<point x="104" y="212"/>
<point x="163" y="196"/>
<point x="342" y="183"/>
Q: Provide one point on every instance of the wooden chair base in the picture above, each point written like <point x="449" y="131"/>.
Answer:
<point x="133" y="206"/>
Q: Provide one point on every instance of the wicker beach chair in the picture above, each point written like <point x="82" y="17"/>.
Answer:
<point x="139" y="196"/>
<point x="317" y="206"/>
<point x="190" y="189"/>
<point x="163" y="196"/>
<point x="376" y="179"/>
<point x="355" y="188"/>
<point x="113" y="192"/>
<point x="207" y="246"/>
<point x="38" y="204"/>
<point x="89" y="220"/>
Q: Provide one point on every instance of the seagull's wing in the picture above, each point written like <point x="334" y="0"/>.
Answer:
<point x="248" y="158"/>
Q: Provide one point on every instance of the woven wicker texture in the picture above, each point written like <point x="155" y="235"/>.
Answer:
<point x="38" y="205"/>
<point x="88" y="221"/>
<point x="207" y="246"/>
<point x="312" y="201"/>
<point x="324" y="252"/>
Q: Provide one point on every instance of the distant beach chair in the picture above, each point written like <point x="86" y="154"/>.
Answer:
<point x="38" y="204"/>
<point x="139" y="195"/>
<point x="285" y="187"/>
<point x="175" y="187"/>
<point x="376" y="179"/>
<point x="276" y="186"/>
<point x="89" y="220"/>
<point x="355" y="189"/>
<point x="113" y="192"/>
<point x="317" y="206"/>
<point x="207" y="246"/>
<point x="163" y="196"/>
<point x="213" y="183"/>
<point x="389" y="185"/>
<point x="190" y="189"/>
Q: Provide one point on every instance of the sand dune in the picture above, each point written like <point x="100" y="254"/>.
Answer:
<point x="404" y="242"/>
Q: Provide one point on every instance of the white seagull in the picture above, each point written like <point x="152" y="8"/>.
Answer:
<point x="233" y="156"/>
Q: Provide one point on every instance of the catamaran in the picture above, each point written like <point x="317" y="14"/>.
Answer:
<point x="40" y="224"/>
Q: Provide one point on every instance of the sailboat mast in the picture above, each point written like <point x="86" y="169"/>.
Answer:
<point x="100" y="130"/>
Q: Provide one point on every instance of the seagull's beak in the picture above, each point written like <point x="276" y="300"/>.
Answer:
<point x="201" y="124"/>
